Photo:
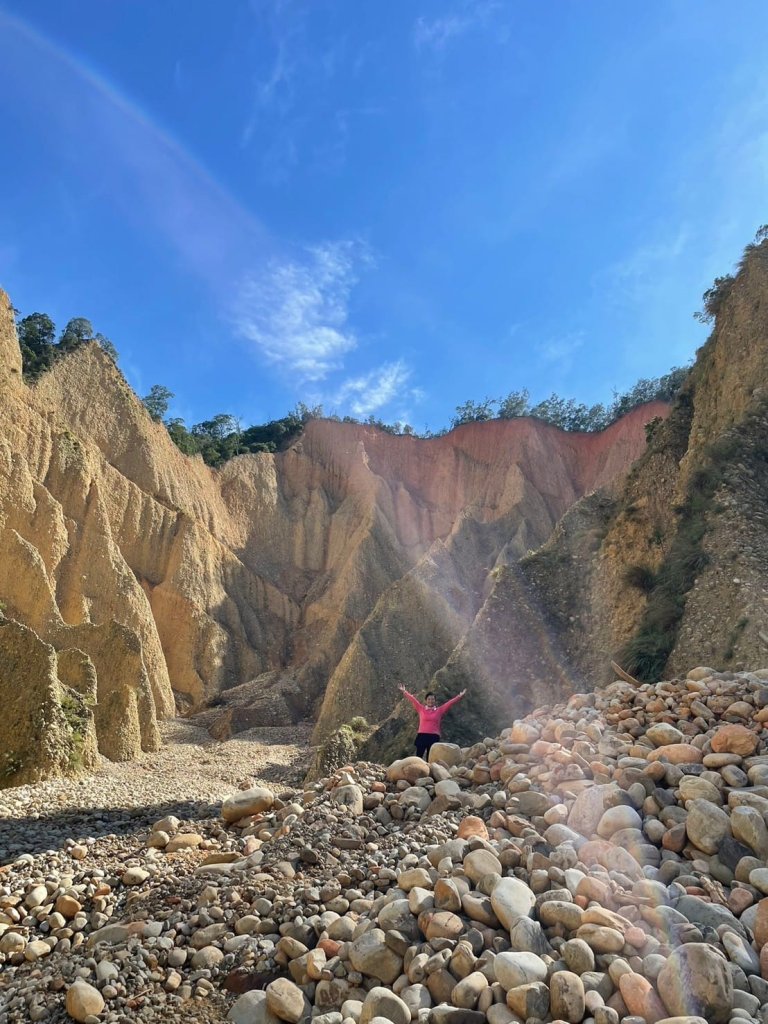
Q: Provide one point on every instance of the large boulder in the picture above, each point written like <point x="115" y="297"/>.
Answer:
<point x="448" y="753"/>
<point x="248" y="801"/>
<point x="409" y="769"/>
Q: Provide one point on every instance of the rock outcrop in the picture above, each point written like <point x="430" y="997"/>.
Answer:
<point x="304" y="583"/>
<point x="47" y="725"/>
<point x="675" y="567"/>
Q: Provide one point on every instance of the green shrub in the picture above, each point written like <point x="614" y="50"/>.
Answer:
<point x="641" y="577"/>
<point x="646" y="654"/>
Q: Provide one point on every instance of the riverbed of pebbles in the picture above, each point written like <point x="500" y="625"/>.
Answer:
<point x="602" y="860"/>
<point x="189" y="777"/>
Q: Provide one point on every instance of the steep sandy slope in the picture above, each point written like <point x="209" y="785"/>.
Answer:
<point x="676" y="568"/>
<point x="297" y="571"/>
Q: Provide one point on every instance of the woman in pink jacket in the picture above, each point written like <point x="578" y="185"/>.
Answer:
<point x="430" y="716"/>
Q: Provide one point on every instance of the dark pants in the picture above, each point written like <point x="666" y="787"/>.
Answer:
<point x="424" y="741"/>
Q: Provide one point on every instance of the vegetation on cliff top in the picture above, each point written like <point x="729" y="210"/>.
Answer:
<point x="223" y="436"/>
<point x="40" y="349"/>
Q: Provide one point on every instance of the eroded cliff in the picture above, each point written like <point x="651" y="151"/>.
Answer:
<point x="674" y="571"/>
<point x="304" y="584"/>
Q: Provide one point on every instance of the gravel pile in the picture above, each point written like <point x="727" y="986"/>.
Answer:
<point x="602" y="860"/>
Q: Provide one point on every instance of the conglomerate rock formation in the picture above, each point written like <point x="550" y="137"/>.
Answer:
<point x="313" y="579"/>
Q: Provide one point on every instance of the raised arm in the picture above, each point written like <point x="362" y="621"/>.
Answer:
<point x="410" y="697"/>
<point x="452" y="701"/>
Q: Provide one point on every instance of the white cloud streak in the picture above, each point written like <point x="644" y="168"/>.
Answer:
<point x="645" y="268"/>
<point x="560" y="351"/>
<point x="296" y="311"/>
<point x="438" y="33"/>
<point x="372" y="391"/>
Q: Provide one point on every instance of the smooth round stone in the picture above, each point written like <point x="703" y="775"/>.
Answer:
<point x="36" y="950"/>
<point x="381" y="1002"/>
<point x="734" y="739"/>
<point x="696" y="980"/>
<point x="734" y="776"/>
<point x="83" y="1001"/>
<point x="692" y="788"/>
<point x="601" y="939"/>
<point x="12" y="942"/>
<point x="749" y="827"/>
<point x="654" y="830"/>
<point x="468" y="991"/>
<point x="569" y="915"/>
<point x="745" y="867"/>
<point x="662" y="734"/>
<point x="558" y="835"/>
<point x="513" y="969"/>
<point x="447" y="753"/>
<point x="567" y="997"/>
<point x="134" y="876"/>
<point x="578" y="956"/>
<point x="529" y="1000"/>
<point x="36" y="897"/>
<point x="676" y="754"/>
<point x="511" y="898"/>
<point x="652" y="965"/>
<point x="759" y="878"/>
<point x="480" y="863"/>
<point x="707" y="825"/>
<point x="740" y="953"/>
<point x="247" y="802"/>
<point x="641" y="998"/>
<point x="207" y="957"/>
<point x="721" y="760"/>
<point x="617" y="818"/>
<point x="526" y="935"/>
<point x="286" y="1000"/>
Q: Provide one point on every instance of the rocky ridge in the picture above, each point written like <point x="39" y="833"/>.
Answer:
<point x="601" y="860"/>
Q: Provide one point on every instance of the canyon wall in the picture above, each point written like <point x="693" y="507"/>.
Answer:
<point x="675" y="569"/>
<point x="305" y="583"/>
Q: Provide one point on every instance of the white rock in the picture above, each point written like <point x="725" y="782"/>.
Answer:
<point x="511" y="898"/>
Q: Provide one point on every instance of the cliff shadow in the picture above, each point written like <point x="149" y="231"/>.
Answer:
<point x="51" y="830"/>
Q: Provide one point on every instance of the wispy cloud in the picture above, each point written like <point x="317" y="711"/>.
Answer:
<point x="276" y="90"/>
<point x="438" y="33"/>
<point x="372" y="391"/>
<point x="296" y="311"/>
<point x="560" y="351"/>
<point x="644" y="268"/>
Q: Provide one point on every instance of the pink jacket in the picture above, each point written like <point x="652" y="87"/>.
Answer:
<point x="430" y="718"/>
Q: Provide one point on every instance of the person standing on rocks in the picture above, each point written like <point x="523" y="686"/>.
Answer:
<point x="430" y="717"/>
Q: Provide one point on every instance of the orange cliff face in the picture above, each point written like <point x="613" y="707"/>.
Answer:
<point x="181" y="580"/>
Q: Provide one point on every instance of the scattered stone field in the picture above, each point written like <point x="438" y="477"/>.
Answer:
<point x="600" y="861"/>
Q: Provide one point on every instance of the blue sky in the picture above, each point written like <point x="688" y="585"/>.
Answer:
<point x="386" y="208"/>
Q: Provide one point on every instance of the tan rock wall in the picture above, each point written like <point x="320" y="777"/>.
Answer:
<point x="177" y="578"/>
<point x="47" y="727"/>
